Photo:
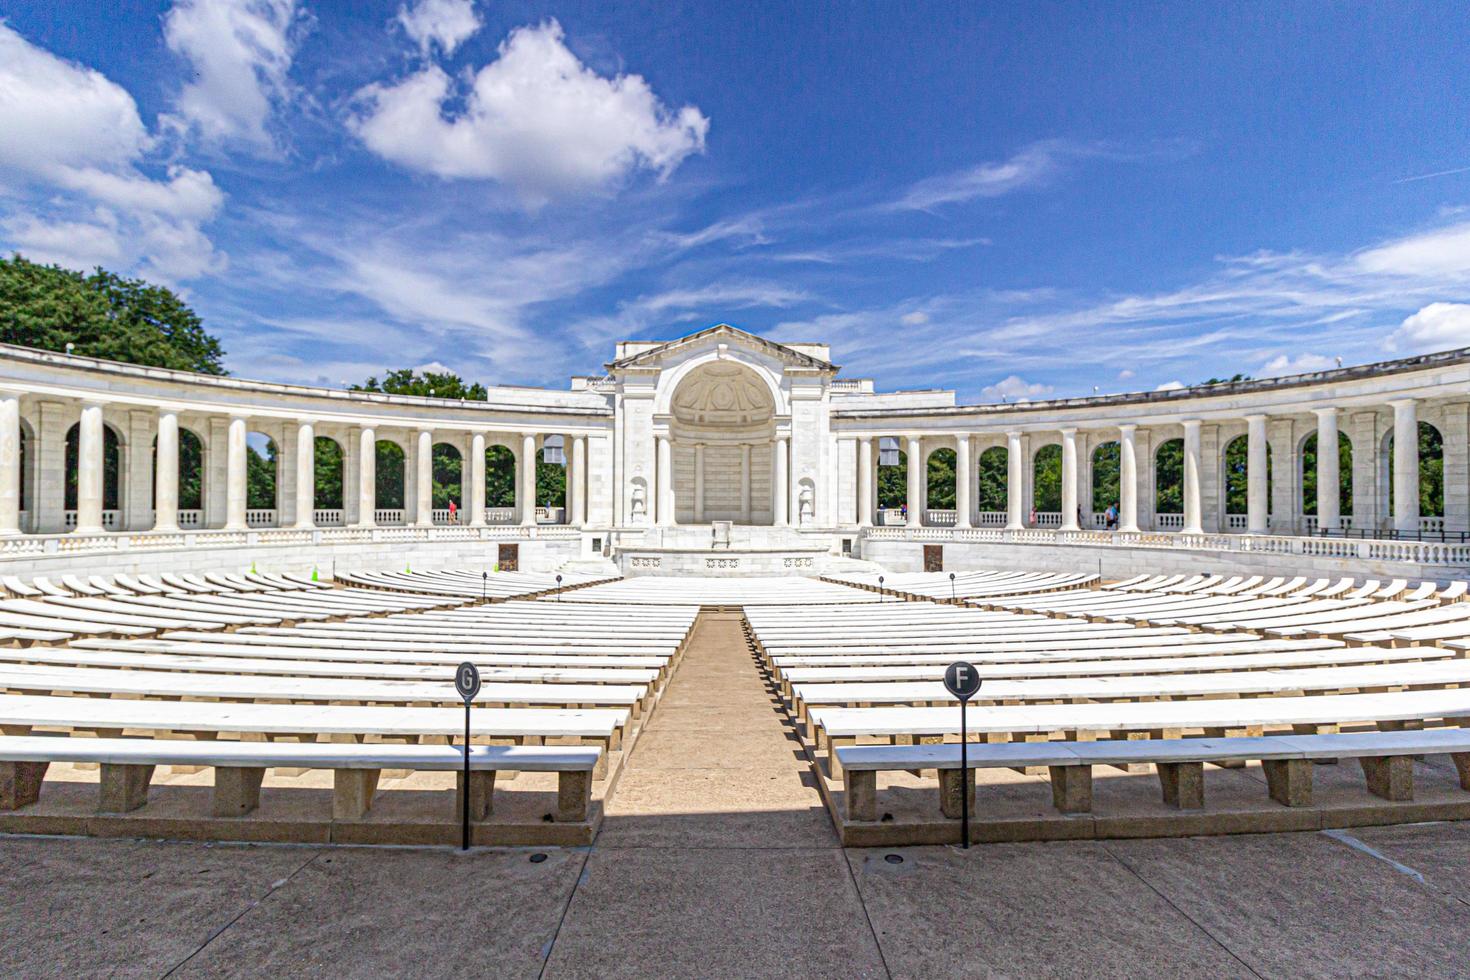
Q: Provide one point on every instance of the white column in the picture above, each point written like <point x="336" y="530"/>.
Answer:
<point x="1193" y="512"/>
<point x="579" y="481"/>
<point x="1127" y="478"/>
<point x="526" y="494"/>
<point x="964" y="486"/>
<point x="1015" y="483"/>
<point x="699" y="483"/>
<point x="1069" y="480"/>
<point x="1405" y="465"/>
<point x="89" y="470"/>
<point x="423" y="484"/>
<point x="865" y="483"/>
<point x="306" y="475"/>
<point x="367" y="477"/>
<point x="166" y="477"/>
<point x="745" y="507"/>
<point x="915" y="462"/>
<point x="1329" y="477"/>
<point x="664" y="487"/>
<point x="477" y="479"/>
<point x="10" y="473"/>
<point x="780" y="484"/>
<point x="1257" y="486"/>
<point x="235" y="475"/>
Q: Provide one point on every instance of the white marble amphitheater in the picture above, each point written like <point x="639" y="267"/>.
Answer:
<point x="721" y="585"/>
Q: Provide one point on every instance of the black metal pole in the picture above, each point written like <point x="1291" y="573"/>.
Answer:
<point x="465" y="794"/>
<point x="964" y="780"/>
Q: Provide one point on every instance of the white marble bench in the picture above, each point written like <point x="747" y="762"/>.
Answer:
<point x="1387" y="759"/>
<point x="127" y="766"/>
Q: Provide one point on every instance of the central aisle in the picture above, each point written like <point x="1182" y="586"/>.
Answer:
<point x="716" y="856"/>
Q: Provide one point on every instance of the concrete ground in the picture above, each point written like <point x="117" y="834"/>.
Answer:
<point x="717" y="859"/>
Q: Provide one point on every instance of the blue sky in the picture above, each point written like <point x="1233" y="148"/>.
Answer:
<point x="1012" y="200"/>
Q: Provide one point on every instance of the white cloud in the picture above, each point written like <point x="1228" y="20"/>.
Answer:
<point x="1443" y="252"/>
<point x="1016" y="389"/>
<point x="1301" y="364"/>
<point x="1170" y="386"/>
<point x="1125" y="374"/>
<point x="1438" y="326"/>
<point x="447" y="23"/>
<point x="71" y="154"/>
<point x="914" y="319"/>
<point x="434" y="367"/>
<point x="239" y="53"/>
<point x="535" y="118"/>
<point x="1032" y="165"/>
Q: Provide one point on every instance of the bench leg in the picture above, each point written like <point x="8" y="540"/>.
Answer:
<point x="1071" y="788"/>
<point x="834" y="767"/>
<point x="950" y="788"/>
<point x="862" y="796"/>
<point x="123" y="788"/>
<point x="1390" y="776"/>
<point x="1289" y="781"/>
<point x="20" y="783"/>
<point x="573" y="796"/>
<point x="352" y="794"/>
<point x="482" y="791"/>
<point x="1183" y="783"/>
<point x="1462" y="763"/>
<point x="236" y="790"/>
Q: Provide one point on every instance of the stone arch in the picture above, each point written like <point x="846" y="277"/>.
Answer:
<point x="1307" y="452"/>
<point x="670" y="380"/>
<point x="1046" y="485"/>
<point x="720" y="410"/>
<point x="262" y="472"/>
<point x="893" y="477"/>
<point x="992" y="484"/>
<point x="112" y="465"/>
<point x="1169" y="477"/>
<point x="941" y="479"/>
<point x="500" y="476"/>
<point x="329" y="466"/>
<point x="1106" y="476"/>
<point x="447" y="473"/>
<point x="1431" y="470"/>
<point x="390" y="471"/>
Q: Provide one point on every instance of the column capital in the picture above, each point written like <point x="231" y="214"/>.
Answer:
<point x="1070" y="431"/>
<point x="1128" y="428"/>
<point x="1400" y="404"/>
<point x="1324" y="413"/>
<point x="1256" y="417"/>
<point x="1190" y="424"/>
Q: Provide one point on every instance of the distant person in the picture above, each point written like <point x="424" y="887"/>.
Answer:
<point x="903" y="511"/>
<point x="1112" y="516"/>
<point x="1033" y="516"/>
<point x="453" y="513"/>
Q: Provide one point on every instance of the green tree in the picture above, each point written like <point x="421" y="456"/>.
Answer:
<point x="260" y="476"/>
<point x="991" y="492"/>
<point x="447" y="470"/>
<point x="1106" y="476"/>
<point x="388" y="475"/>
<point x="500" y="477"/>
<point x="1047" y="488"/>
<point x="1344" y="474"/>
<point x="1169" y="477"/>
<point x="1431" y="471"/>
<point x="1237" y="476"/>
<point x="942" y="476"/>
<point x="328" y="474"/>
<point x="102" y="315"/>
<point x="435" y="384"/>
<point x="551" y="483"/>
<point x="893" y="488"/>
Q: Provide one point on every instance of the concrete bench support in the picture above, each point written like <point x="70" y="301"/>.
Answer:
<point x="236" y="790"/>
<point x="1390" y="776"/>
<point x="1071" y="788"/>
<point x="1289" y="781"/>
<point x="861" y="788"/>
<point x="482" y="792"/>
<point x="573" y="795"/>
<point x="124" y="788"/>
<point x="951" y="785"/>
<point x="1183" y="784"/>
<point x="353" y="791"/>
<point x="20" y="783"/>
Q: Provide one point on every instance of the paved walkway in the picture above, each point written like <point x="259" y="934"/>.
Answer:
<point x="717" y="859"/>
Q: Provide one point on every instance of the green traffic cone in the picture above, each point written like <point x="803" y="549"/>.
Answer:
<point x="313" y="574"/>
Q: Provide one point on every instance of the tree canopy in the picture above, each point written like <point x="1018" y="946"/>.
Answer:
<point x="103" y="315"/>
<point x="435" y="384"/>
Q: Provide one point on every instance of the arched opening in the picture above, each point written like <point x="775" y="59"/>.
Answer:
<point x="389" y="462"/>
<point x="500" y="485"/>
<point x="1046" y="486"/>
<point x="551" y="478"/>
<point x="1344" y="478"/>
<point x="1431" y="476"/>
<point x="1106" y="481"/>
<point x="1169" y="485"/>
<point x="893" y="479"/>
<point x="1236" y="470"/>
<point x="447" y="465"/>
<point x="111" y="475"/>
<point x="940" y="499"/>
<point x="991" y="486"/>
<point x="723" y="432"/>
<point x="191" y="478"/>
<point x="261" y="462"/>
<point x="328" y="493"/>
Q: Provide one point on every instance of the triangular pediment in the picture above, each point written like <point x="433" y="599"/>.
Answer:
<point x="654" y="356"/>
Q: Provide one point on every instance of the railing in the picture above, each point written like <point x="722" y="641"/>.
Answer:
<point x="441" y="516"/>
<point x="1452" y="549"/>
<point x="1168" y="522"/>
<point x="940" y="518"/>
<point x="1048" y="518"/>
<point x="328" y="517"/>
<point x="191" y="519"/>
<point x="261" y="517"/>
<point x="551" y="515"/>
<point x="890" y="517"/>
<point x="110" y="520"/>
<point x="389" y="516"/>
<point x="1431" y="525"/>
<point x="1237" y="522"/>
<point x="500" y="515"/>
<point x="992" y="518"/>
